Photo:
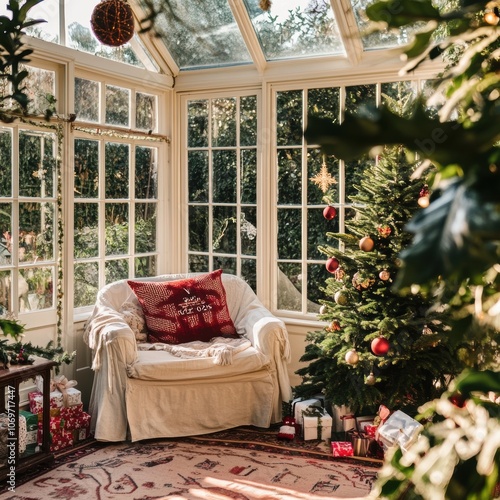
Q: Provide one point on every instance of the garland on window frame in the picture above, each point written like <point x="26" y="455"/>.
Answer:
<point x="102" y="130"/>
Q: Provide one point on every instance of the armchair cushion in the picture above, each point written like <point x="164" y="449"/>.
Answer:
<point x="185" y="310"/>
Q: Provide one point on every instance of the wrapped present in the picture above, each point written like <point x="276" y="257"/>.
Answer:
<point x="70" y="395"/>
<point x="82" y="432"/>
<point x="338" y="412"/>
<point x="299" y="406"/>
<point x="7" y="434"/>
<point x="59" y="439"/>
<point x="348" y="422"/>
<point x="68" y="412"/>
<point x="371" y="430"/>
<point x="31" y="431"/>
<point x="82" y="420"/>
<point x="55" y="425"/>
<point x="316" y="424"/>
<point x="36" y="401"/>
<point x="342" y="449"/>
<point x="398" y="430"/>
<point x="360" y="444"/>
<point x="53" y="412"/>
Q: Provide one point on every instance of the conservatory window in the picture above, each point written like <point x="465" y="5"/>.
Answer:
<point x="28" y="219"/>
<point x="28" y="205"/>
<point x="115" y="188"/>
<point x="222" y="185"/>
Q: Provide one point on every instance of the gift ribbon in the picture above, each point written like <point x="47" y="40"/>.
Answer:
<point x="62" y="384"/>
<point x="314" y="411"/>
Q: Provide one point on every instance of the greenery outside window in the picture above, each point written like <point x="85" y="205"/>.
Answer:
<point x="28" y="202"/>
<point x="115" y="188"/>
<point x="221" y="161"/>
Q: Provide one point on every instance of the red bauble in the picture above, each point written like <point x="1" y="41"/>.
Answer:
<point x="458" y="400"/>
<point x="329" y="212"/>
<point x="380" y="346"/>
<point x="332" y="264"/>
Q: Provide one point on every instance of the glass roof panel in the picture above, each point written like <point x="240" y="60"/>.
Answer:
<point x="377" y="40"/>
<point x="201" y="34"/>
<point x="295" y="28"/>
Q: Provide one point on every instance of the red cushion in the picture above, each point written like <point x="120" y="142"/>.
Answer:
<point x="185" y="310"/>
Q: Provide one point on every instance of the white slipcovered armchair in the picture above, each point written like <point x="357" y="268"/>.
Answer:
<point x="144" y="391"/>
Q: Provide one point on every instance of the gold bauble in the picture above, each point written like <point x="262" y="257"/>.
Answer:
<point x="352" y="357"/>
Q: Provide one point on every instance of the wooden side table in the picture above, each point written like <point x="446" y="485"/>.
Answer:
<point x="10" y="380"/>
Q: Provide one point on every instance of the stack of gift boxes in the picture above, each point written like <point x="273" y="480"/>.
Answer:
<point x="69" y="424"/>
<point x="371" y="436"/>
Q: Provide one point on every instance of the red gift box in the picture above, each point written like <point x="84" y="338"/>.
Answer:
<point x="59" y="439"/>
<point x="55" y="424"/>
<point x="342" y="449"/>
<point x="82" y="420"/>
<point x="36" y="401"/>
<point x="370" y="430"/>
<point x="75" y="411"/>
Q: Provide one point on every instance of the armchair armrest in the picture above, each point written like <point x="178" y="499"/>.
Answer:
<point x="268" y="334"/>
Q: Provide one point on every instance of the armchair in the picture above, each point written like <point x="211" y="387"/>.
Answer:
<point x="142" y="391"/>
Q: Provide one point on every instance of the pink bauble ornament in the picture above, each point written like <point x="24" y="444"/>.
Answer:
<point x="332" y="264"/>
<point x="380" y="346"/>
<point x="329" y="212"/>
<point x="384" y="275"/>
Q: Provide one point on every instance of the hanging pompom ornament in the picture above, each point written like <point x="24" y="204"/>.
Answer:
<point x="329" y="212"/>
<point x="370" y="379"/>
<point x="112" y="22"/>
<point x="352" y="357"/>
<point x="366" y="244"/>
<point x="423" y="200"/>
<point x="380" y="346"/>
<point x="384" y="231"/>
<point x="332" y="264"/>
<point x="341" y="298"/>
<point x="384" y="275"/>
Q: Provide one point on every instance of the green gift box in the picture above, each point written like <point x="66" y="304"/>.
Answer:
<point x="31" y="432"/>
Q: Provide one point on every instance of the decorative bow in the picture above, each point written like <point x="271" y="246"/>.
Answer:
<point x="62" y="384"/>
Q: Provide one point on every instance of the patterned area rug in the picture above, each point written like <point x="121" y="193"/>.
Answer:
<point x="241" y="464"/>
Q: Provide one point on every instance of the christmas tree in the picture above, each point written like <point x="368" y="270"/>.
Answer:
<point x="378" y="347"/>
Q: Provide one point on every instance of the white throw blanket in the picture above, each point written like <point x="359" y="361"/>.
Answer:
<point x="220" y="348"/>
